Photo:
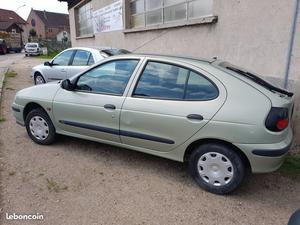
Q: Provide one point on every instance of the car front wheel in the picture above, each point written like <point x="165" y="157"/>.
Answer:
<point x="216" y="168"/>
<point x="39" y="79"/>
<point x="40" y="127"/>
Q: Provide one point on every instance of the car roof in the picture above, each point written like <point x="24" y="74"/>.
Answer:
<point x="186" y="59"/>
<point x="92" y="48"/>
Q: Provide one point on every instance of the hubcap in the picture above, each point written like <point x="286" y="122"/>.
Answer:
<point x="39" y="80"/>
<point x="39" y="128"/>
<point x="215" y="168"/>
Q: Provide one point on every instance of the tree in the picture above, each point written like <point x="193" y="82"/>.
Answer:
<point x="32" y="32"/>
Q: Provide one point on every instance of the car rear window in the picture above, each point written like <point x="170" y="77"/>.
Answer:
<point x="253" y="77"/>
<point x="31" y="45"/>
<point x="167" y="81"/>
<point x="115" y="51"/>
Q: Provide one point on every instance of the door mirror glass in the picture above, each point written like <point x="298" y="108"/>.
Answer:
<point x="47" y="63"/>
<point x="67" y="85"/>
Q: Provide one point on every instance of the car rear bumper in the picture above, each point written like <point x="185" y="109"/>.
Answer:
<point x="265" y="158"/>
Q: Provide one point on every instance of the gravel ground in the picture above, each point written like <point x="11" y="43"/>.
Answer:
<point x="81" y="182"/>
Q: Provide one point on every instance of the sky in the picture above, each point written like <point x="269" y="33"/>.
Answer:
<point x="23" y="11"/>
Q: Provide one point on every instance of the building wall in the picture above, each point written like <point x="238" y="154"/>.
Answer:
<point x="39" y="25"/>
<point x="253" y="34"/>
<point x="52" y="32"/>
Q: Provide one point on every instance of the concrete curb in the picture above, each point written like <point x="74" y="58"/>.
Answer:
<point x="2" y="81"/>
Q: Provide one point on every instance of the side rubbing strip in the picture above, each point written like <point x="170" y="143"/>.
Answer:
<point x="91" y="127"/>
<point x="117" y="132"/>
<point x="16" y="109"/>
<point x="146" y="137"/>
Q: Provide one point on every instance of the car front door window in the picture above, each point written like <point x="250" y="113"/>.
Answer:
<point x="108" y="78"/>
<point x="63" y="59"/>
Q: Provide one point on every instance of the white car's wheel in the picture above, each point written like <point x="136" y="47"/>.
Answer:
<point x="40" y="127"/>
<point x="39" y="79"/>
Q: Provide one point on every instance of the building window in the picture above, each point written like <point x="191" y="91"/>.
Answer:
<point x="83" y="19"/>
<point x="144" y="13"/>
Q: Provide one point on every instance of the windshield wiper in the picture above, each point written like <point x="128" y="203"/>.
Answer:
<point x="260" y="81"/>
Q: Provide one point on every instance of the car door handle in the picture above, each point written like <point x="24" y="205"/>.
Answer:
<point x="109" y="106"/>
<point x="195" y="117"/>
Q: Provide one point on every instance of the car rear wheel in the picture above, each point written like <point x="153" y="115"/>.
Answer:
<point x="40" y="127"/>
<point x="39" y="79"/>
<point x="216" y="168"/>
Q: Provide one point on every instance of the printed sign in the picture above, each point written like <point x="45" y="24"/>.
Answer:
<point x="108" y="18"/>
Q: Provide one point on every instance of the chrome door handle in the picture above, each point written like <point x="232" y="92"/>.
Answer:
<point x="195" y="117"/>
<point x="109" y="106"/>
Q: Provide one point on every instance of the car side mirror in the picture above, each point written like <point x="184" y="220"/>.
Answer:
<point x="67" y="85"/>
<point x="47" y="63"/>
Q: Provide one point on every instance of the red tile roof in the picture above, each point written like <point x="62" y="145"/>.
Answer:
<point x="10" y="16"/>
<point x="51" y="19"/>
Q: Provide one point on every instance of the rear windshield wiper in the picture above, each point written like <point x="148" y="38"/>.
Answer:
<point x="260" y="81"/>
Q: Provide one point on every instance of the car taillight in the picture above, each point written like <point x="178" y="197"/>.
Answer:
<point x="278" y="119"/>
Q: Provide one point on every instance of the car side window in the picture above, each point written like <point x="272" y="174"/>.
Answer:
<point x="200" y="88"/>
<point x="81" y="58"/>
<point x="109" y="78"/>
<point x="166" y="81"/>
<point x="63" y="59"/>
<point x="91" y="60"/>
<point x="162" y="81"/>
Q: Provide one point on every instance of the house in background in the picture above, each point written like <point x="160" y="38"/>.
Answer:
<point x="63" y="36"/>
<point x="11" y="29"/>
<point x="12" y="22"/>
<point x="47" y="25"/>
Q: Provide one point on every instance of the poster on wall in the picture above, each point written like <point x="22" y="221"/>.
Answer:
<point x="108" y="18"/>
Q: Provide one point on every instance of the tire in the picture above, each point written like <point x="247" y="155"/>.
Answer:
<point x="38" y="79"/>
<point x="40" y="127"/>
<point x="216" y="168"/>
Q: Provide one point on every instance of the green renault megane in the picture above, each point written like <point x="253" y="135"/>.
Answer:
<point x="220" y="119"/>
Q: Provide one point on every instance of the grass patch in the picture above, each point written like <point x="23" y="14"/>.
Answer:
<point x="53" y="186"/>
<point x="49" y="56"/>
<point x="11" y="73"/>
<point x="12" y="173"/>
<point x="40" y="174"/>
<point x="291" y="167"/>
<point x="2" y="119"/>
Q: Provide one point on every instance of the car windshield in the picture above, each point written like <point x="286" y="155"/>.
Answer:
<point x="31" y="45"/>
<point x="115" y="51"/>
<point x="255" y="78"/>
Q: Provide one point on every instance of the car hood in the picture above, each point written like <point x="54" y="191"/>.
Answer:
<point x="38" y="66"/>
<point x="44" y="92"/>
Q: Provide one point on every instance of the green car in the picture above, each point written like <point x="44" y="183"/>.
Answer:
<point x="220" y="119"/>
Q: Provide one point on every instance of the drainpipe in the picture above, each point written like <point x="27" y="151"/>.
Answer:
<point x="291" y="44"/>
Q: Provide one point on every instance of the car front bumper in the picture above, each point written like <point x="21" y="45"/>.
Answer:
<point x="266" y="158"/>
<point x="18" y="113"/>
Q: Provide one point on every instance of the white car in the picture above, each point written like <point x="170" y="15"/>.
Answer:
<point x="70" y="62"/>
<point x="33" y="49"/>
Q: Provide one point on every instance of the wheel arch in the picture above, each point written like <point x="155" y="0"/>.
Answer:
<point x="37" y="72"/>
<point x="31" y="106"/>
<point x="196" y="143"/>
